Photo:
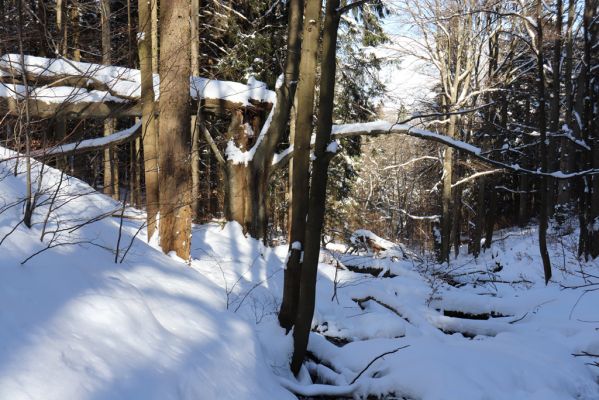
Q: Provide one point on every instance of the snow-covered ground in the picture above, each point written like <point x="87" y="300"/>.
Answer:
<point x="76" y="325"/>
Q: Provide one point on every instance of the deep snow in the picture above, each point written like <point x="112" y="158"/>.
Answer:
<point x="76" y="325"/>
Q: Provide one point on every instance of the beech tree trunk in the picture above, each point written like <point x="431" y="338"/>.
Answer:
<point x="148" y="122"/>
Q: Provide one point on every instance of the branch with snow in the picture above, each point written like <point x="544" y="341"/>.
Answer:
<point x="92" y="144"/>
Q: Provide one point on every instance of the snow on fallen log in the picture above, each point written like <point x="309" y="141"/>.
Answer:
<point x="125" y="83"/>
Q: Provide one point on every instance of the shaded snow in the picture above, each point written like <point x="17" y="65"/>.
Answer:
<point x="75" y="325"/>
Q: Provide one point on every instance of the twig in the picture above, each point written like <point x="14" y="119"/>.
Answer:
<point x="376" y="358"/>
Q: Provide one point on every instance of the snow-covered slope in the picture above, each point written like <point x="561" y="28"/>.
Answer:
<point x="75" y="325"/>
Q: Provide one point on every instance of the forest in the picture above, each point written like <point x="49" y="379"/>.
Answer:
<point x="271" y="199"/>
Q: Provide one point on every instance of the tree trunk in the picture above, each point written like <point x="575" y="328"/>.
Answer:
<point x="591" y="122"/>
<point x="568" y="153"/>
<point x="149" y="132"/>
<point x="543" y="213"/>
<point x="195" y="136"/>
<point x="477" y="231"/>
<point x="317" y="198"/>
<point x="301" y="161"/>
<point x="456" y="231"/>
<point x="245" y="201"/>
<point x="154" y="33"/>
<point x="174" y="125"/>
<point x="74" y="15"/>
<point x="491" y="213"/>
<point x="554" y="128"/>
<point x="111" y="177"/>
<point x="61" y="27"/>
<point x="447" y="195"/>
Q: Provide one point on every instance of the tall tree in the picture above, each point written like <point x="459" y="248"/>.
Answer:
<point x="149" y="132"/>
<point x="301" y="159"/>
<point x="542" y="124"/>
<point x="111" y="170"/>
<point x="174" y="127"/>
<point x="324" y="150"/>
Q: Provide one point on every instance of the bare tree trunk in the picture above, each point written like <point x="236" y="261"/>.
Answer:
<point x="447" y="197"/>
<point x="555" y="105"/>
<point x="477" y="232"/>
<point x="491" y="214"/>
<point x="590" y="123"/>
<point x="29" y="199"/>
<point x="154" y="33"/>
<point x="543" y="213"/>
<point x="456" y="231"/>
<point x="301" y="160"/>
<point x="195" y="136"/>
<point x="61" y="27"/>
<point x="74" y="17"/>
<point x="317" y="198"/>
<point x="111" y="177"/>
<point x="174" y="125"/>
<point x="60" y="123"/>
<point x="148" y="122"/>
<point x="567" y="154"/>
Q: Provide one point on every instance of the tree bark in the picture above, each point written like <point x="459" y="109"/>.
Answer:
<point x="555" y="106"/>
<point x="149" y="132"/>
<point x="447" y="197"/>
<point x="111" y="177"/>
<point x="568" y="153"/>
<point x="301" y="160"/>
<point x="317" y="197"/>
<point x="174" y="124"/>
<point x="195" y="136"/>
<point x="543" y="213"/>
<point x="74" y="14"/>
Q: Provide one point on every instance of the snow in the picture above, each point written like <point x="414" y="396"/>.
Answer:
<point x="56" y="94"/>
<point x="238" y="156"/>
<point x="125" y="83"/>
<point x="513" y="355"/>
<point x="97" y="142"/>
<point x="333" y="147"/>
<point x="76" y="325"/>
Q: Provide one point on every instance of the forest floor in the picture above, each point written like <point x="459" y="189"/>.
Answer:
<point x="76" y="325"/>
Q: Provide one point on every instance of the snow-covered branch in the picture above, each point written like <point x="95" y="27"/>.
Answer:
<point x="92" y="144"/>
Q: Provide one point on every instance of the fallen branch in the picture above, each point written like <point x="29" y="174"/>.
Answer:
<point x="360" y="302"/>
<point x="376" y="358"/>
<point x="113" y="139"/>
